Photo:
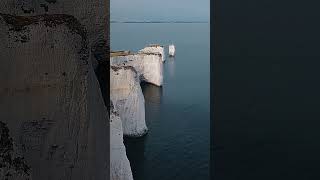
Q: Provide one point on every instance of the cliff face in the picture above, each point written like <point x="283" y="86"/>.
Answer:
<point x="120" y="165"/>
<point x="92" y="14"/>
<point x="13" y="165"/>
<point x="50" y="98"/>
<point x="128" y="100"/>
<point x="127" y="71"/>
<point x="149" y="66"/>
<point x="154" y="49"/>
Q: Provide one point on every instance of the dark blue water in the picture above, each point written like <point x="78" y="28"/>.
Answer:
<point x="178" y="113"/>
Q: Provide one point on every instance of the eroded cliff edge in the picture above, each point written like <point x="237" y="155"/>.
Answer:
<point x="127" y="98"/>
<point x="120" y="166"/>
<point x="127" y="71"/>
<point x="94" y="15"/>
<point x="50" y="98"/>
<point x="148" y="65"/>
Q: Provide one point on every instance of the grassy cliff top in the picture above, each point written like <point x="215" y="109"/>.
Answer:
<point x="120" y="53"/>
<point x="154" y="45"/>
<point x="126" y="53"/>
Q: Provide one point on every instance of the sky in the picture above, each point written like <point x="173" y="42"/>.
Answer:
<point x="160" y="10"/>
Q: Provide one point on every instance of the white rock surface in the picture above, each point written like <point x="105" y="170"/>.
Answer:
<point x="148" y="65"/>
<point x="9" y="154"/>
<point x="119" y="164"/>
<point x="50" y="98"/>
<point x="127" y="98"/>
<point x="172" y="50"/>
<point x="154" y="49"/>
<point x="93" y="14"/>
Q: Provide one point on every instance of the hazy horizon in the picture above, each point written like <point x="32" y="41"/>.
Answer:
<point x="165" y="10"/>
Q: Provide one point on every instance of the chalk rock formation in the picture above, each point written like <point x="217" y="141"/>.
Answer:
<point x="172" y="50"/>
<point x="149" y="66"/>
<point x="119" y="164"/>
<point x="50" y="98"/>
<point x="126" y="95"/>
<point x="13" y="165"/>
<point x="154" y="49"/>
<point x="93" y="14"/>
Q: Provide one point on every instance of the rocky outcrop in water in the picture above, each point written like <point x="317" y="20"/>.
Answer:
<point x="128" y="100"/>
<point x="51" y="101"/>
<point x="172" y="50"/>
<point x="149" y="66"/>
<point x="120" y="165"/>
<point x="154" y="49"/>
<point x="127" y="71"/>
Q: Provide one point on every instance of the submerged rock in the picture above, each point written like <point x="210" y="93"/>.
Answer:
<point x="155" y="48"/>
<point x="127" y="97"/>
<point x="149" y="66"/>
<point x="119" y="164"/>
<point x="51" y="99"/>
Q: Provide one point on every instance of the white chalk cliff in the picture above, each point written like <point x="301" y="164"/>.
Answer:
<point x="154" y="49"/>
<point x="93" y="14"/>
<point x="127" y="71"/>
<point x="51" y="101"/>
<point x="119" y="164"/>
<point x="64" y="114"/>
<point x="127" y="98"/>
<point x="149" y="66"/>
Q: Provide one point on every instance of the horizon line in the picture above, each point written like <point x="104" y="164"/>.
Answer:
<point x="159" y="21"/>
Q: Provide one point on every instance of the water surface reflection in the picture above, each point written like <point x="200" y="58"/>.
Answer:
<point x="152" y="95"/>
<point x="135" y="149"/>
<point x="171" y="66"/>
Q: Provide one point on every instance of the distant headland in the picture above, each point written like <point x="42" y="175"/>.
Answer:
<point x="159" y="21"/>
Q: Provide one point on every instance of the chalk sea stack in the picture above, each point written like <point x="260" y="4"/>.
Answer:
<point x="172" y="50"/>
<point x="149" y="66"/>
<point x="127" y="71"/>
<point x="154" y="48"/>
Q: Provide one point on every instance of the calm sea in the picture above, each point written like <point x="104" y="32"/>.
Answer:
<point x="178" y="113"/>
